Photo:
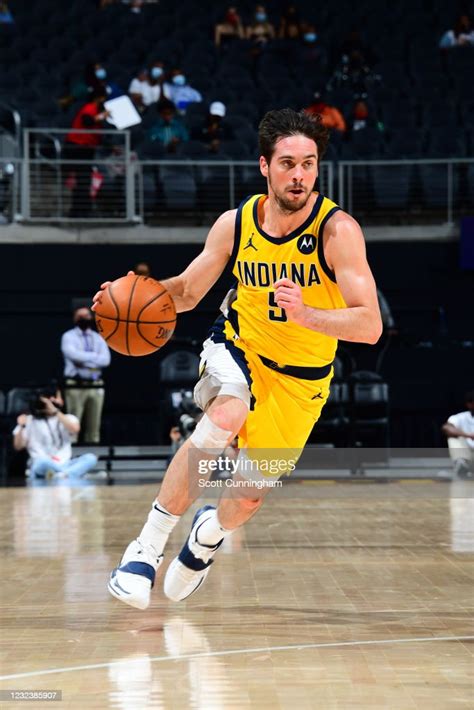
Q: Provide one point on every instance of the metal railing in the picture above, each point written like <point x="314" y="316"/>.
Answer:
<point x="429" y="189"/>
<point x="56" y="183"/>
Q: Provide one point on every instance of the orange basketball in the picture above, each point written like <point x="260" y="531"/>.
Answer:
<point x="135" y="315"/>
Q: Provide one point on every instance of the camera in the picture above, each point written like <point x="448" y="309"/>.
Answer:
<point x="37" y="406"/>
<point x="189" y="414"/>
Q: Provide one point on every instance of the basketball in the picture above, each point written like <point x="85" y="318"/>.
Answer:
<point x="135" y="315"/>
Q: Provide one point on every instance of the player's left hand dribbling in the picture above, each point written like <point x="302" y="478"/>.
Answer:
<point x="288" y="295"/>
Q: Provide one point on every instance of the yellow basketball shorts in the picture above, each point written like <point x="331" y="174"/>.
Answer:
<point x="282" y="409"/>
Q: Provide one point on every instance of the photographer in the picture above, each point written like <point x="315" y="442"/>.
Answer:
<point x="46" y="433"/>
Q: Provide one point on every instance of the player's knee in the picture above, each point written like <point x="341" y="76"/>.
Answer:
<point x="229" y="415"/>
<point x="209" y="436"/>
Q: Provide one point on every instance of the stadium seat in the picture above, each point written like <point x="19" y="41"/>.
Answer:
<point x="369" y="409"/>
<point x="178" y="185"/>
<point x="391" y="185"/>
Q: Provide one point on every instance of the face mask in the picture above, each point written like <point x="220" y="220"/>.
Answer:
<point x="84" y="323"/>
<point x="179" y="80"/>
<point x="156" y="72"/>
<point x="260" y="16"/>
<point x="310" y="37"/>
<point x="100" y="73"/>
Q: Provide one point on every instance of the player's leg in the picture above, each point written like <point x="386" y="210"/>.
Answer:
<point x="273" y="437"/>
<point x="460" y="455"/>
<point x="133" y="579"/>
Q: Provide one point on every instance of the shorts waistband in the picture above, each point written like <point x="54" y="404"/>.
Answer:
<point x="302" y="373"/>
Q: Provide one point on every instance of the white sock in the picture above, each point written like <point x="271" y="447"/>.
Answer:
<point x="158" y="527"/>
<point x="211" y="532"/>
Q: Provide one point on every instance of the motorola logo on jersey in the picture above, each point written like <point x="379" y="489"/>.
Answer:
<point x="306" y="243"/>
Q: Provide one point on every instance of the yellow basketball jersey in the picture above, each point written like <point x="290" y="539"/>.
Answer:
<point x="258" y="261"/>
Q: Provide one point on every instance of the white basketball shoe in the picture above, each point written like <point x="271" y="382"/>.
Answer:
<point x="188" y="571"/>
<point x="133" y="580"/>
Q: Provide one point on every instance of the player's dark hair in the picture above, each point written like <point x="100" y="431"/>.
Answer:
<point x="284" y="123"/>
<point x="469" y="396"/>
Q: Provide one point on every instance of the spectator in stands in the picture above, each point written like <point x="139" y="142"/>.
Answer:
<point x="141" y="268"/>
<point x="85" y="355"/>
<point x="261" y="30"/>
<point x="290" y="26"/>
<point x="353" y="72"/>
<point x="229" y="29"/>
<point x="331" y="117"/>
<point x="215" y="129"/>
<point x="6" y="17"/>
<point x="145" y="88"/>
<point x="94" y="81"/>
<point x="362" y="116"/>
<point x="461" y="36"/>
<point x="180" y="92"/>
<point x="169" y="129"/>
<point x="82" y="146"/>
<point x="459" y="430"/>
<point x="47" y="433"/>
<point x="311" y="51"/>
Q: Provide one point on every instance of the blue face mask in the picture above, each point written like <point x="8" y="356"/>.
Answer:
<point x="179" y="80"/>
<point x="260" y="16"/>
<point x="100" y="73"/>
<point x="310" y="37"/>
<point x="156" y="72"/>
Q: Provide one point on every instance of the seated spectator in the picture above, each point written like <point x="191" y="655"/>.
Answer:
<point x="459" y="430"/>
<point x="47" y="433"/>
<point x="180" y="92"/>
<point x="290" y="26"/>
<point x="169" y="129"/>
<point x="94" y="81"/>
<point x="261" y="30"/>
<point x="311" y="49"/>
<point x="331" y="117"/>
<point x="230" y="28"/>
<point x="145" y="88"/>
<point x="215" y="129"/>
<point x="353" y="72"/>
<point x="6" y="17"/>
<point x="362" y="116"/>
<point x="461" y="36"/>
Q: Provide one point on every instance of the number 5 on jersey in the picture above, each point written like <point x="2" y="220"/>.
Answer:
<point x="274" y="311"/>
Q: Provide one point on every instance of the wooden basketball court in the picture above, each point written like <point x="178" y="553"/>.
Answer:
<point x="333" y="596"/>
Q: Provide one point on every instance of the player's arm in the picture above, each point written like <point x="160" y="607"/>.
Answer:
<point x="345" y="254"/>
<point x="453" y="431"/>
<point x="189" y="287"/>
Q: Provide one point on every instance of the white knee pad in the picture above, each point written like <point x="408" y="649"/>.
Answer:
<point x="209" y="437"/>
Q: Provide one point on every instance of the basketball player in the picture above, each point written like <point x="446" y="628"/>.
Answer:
<point x="302" y="282"/>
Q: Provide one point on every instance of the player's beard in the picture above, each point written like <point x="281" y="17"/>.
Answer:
<point x="285" y="204"/>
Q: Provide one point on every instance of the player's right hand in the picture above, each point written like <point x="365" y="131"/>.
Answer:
<point x="21" y="419"/>
<point x="98" y="295"/>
